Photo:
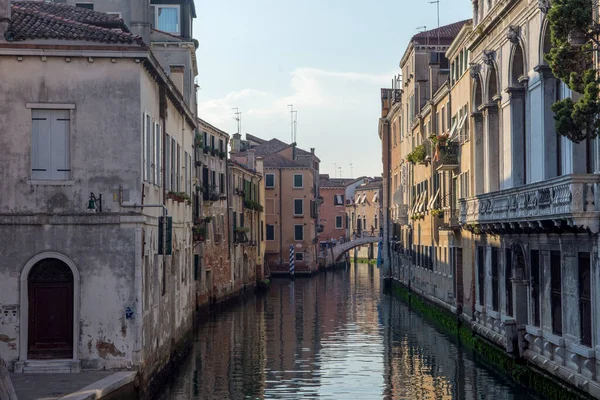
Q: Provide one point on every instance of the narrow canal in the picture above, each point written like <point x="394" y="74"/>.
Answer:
<point x="335" y="336"/>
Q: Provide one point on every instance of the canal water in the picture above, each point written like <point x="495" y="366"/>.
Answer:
<point x="334" y="336"/>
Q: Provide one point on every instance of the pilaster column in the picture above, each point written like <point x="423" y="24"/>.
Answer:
<point x="550" y="140"/>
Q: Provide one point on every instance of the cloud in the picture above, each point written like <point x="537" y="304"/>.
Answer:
<point x="332" y="105"/>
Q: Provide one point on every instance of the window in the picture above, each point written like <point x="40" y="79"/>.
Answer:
<point x="338" y="200"/>
<point x="167" y="162"/>
<point x="87" y="6"/>
<point x="178" y="176"/>
<point x="270" y="232"/>
<point x="298" y="232"/>
<point x="298" y="181"/>
<point x="167" y="18"/>
<point x="147" y="147"/>
<point x="222" y="183"/>
<point x="221" y="145"/>
<point x="507" y="281"/>
<point x="158" y="155"/>
<point x="213" y="179"/>
<point x="298" y="207"/>
<point x="50" y="149"/>
<point x="535" y="287"/>
<point x="556" y="292"/>
<point x="186" y="169"/>
<point x="212" y="141"/>
<point x="338" y="222"/>
<point x="585" y="299"/>
<point x="173" y="165"/>
<point x="299" y="256"/>
<point x="481" y="274"/>
<point x="495" y="290"/>
<point x="270" y="181"/>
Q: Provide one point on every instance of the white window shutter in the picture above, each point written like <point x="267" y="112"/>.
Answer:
<point x="167" y="163"/>
<point x="40" y="145"/>
<point x="59" y="145"/>
<point x="158" y="154"/>
<point x="148" y="147"/>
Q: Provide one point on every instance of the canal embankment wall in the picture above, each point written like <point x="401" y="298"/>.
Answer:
<point x="517" y="368"/>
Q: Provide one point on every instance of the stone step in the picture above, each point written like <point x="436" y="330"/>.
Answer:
<point x="50" y="367"/>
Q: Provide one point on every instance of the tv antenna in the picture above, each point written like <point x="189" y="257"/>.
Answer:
<point x="238" y="118"/>
<point x="423" y="29"/>
<point x="293" y="122"/>
<point x="350" y="170"/>
<point x="437" y="2"/>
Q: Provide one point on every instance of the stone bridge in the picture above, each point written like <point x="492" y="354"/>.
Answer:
<point x="335" y="253"/>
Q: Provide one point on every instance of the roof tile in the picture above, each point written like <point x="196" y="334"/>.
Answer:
<point x="37" y="20"/>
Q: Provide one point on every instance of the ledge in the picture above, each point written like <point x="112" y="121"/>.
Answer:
<point x="103" y="387"/>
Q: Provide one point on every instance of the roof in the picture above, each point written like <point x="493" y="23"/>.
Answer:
<point x="371" y="185"/>
<point x="445" y="32"/>
<point x="279" y="161"/>
<point x="273" y="146"/>
<point x="39" y="20"/>
<point x="206" y="125"/>
<point x="326" y="182"/>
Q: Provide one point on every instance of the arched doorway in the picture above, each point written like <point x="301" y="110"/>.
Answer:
<point x="520" y="169"/>
<point x="50" y="309"/>
<point x="479" y="154"/>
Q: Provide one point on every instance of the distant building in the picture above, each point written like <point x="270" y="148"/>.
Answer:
<point x="291" y="194"/>
<point x="332" y="211"/>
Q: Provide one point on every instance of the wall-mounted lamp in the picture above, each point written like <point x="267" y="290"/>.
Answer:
<point x="94" y="204"/>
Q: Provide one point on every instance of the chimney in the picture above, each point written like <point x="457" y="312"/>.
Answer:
<point x="251" y="159"/>
<point x="236" y="142"/>
<point x="260" y="168"/>
<point x="312" y="151"/>
<point x="4" y="17"/>
<point x="177" y="72"/>
<point x="140" y="19"/>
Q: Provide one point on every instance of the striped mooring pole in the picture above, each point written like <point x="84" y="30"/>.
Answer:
<point x="292" y="260"/>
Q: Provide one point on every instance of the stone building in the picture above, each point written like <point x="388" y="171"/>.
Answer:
<point x="534" y="205"/>
<point x="247" y="230"/>
<point x="364" y="209"/>
<point x="212" y="219"/>
<point x="332" y="211"/>
<point x="291" y="201"/>
<point x="519" y="203"/>
<point x="86" y="281"/>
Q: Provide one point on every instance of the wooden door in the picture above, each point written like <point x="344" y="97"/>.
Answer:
<point x="50" y="290"/>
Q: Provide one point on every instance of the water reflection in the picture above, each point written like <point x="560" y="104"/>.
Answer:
<point x="335" y="336"/>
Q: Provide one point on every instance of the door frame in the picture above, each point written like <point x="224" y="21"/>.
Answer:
<point x="24" y="302"/>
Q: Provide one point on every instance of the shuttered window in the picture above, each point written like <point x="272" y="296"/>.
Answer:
<point x="481" y="274"/>
<point x="178" y="177"/>
<point x="495" y="278"/>
<point x="270" y="232"/>
<point x="338" y="222"/>
<point x="168" y="163"/>
<point x="50" y="147"/>
<point x="173" y="165"/>
<point x="298" y="207"/>
<point x="298" y="232"/>
<point x="585" y="298"/>
<point x="147" y="148"/>
<point x="158" y="156"/>
<point x="298" y="181"/>
<point x="269" y="181"/>
<point x="535" y="287"/>
<point x="556" y="292"/>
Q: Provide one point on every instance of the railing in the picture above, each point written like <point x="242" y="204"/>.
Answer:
<point x="571" y="198"/>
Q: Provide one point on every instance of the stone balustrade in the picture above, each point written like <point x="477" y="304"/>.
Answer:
<point x="565" y="202"/>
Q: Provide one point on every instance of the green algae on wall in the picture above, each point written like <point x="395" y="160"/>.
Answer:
<point x="519" y="370"/>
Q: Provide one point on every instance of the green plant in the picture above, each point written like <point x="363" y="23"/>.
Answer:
<point x="207" y="149"/>
<point x="215" y="151"/>
<point x="417" y="155"/>
<point x="572" y="32"/>
<point x="222" y="154"/>
<point x="437" y="212"/>
<point x="199" y="230"/>
<point x="242" y="229"/>
<point x="198" y="138"/>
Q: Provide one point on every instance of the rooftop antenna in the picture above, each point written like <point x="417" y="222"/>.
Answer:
<point x="335" y="170"/>
<point x="423" y="29"/>
<point x="350" y="170"/>
<point x="340" y="168"/>
<point x="291" y="106"/>
<point x="437" y="2"/>
<point x="295" y="114"/>
<point x="238" y="118"/>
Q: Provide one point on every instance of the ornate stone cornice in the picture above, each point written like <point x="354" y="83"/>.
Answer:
<point x="474" y="70"/>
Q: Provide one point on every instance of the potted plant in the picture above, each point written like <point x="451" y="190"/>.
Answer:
<point x="198" y="138"/>
<point x="249" y="204"/>
<point x="258" y="207"/>
<point x="418" y="155"/>
<point x="215" y="151"/>
<point x="222" y="154"/>
<point x="437" y="213"/>
<point x="199" y="233"/>
<point x="214" y="196"/>
<point x="207" y="149"/>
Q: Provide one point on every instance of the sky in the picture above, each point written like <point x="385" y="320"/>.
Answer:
<point x="329" y="58"/>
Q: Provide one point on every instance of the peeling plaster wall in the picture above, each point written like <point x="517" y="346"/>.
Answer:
<point x="113" y="251"/>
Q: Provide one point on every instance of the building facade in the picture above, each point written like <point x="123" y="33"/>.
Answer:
<point x="291" y="202"/>
<point x="212" y="219"/>
<point x="510" y="207"/>
<point x="88" y="178"/>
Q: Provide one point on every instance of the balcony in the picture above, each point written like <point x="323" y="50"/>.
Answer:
<point x="567" y="203"/>
<point x="448" y="157"/>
